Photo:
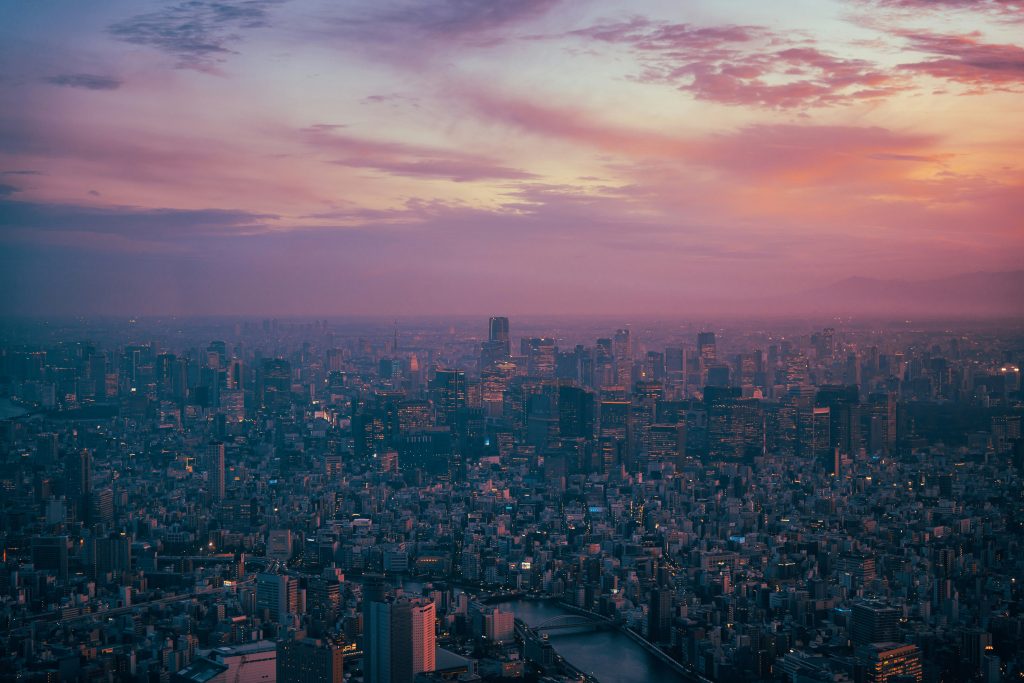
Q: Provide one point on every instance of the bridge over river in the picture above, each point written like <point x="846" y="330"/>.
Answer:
<point x="595" y="646"/>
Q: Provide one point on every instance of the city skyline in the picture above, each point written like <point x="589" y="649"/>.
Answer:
<point x="533" y="157"/>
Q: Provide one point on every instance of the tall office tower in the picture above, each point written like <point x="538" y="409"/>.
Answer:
<point x="706" y="348"/>
<point x="232" y="405"/>
<point x="882" y="422"/>
<point x="375" y="592"/>
<point x="491" y="353"/>
<point x="400" y="640"/>
<point x="891" y="662"/>
<point x="78" y="477"/>
<point x="413" y="640"/>
<point x="540" y="357"/>
<point x="335" y="360"/>
<point x="498" y="332"/>
<point x="47" y="448"/>
<point x="575" y="412"/>
<point x="497" y="348"/>
<point x="873" y="623"/>
<point x="667" y="443"/>
<point x="164" y="370"/>
<point x="78" y="470"/>
<point x="675" y="361"/>
<point x="843" y="403"/>
<point x="718" y="375"/>
<point x="217" y="354"/>
<point x="235" y="378"/>
<point x="659" y="616"/>
<point x="100" y="507"/>
<point x="795" y="371"/>
<point x="50" y="553"/>
<point x="213" y="466"/>
<point x="310" y="660"/>
<point x="644" y="411"/>
<point x="449" y="395"/>
<point x="622" y="349"/>
<point x="615" y="434"/>
<point x="735" y="426"/>
<point x="278" y="594"/>
<point x="813" y="434"/>
<point x="111" y="554"/>
<point x="654" y="366"/>
<point x="274" y="385"/>
<point x="494" y="382"/>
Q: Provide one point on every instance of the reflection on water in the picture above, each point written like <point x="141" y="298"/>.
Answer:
<point x="609" y="656"/>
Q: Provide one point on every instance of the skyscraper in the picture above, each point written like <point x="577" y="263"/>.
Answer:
<point x="575" y="412"/>
<point x="706" y="347"/>
<point x="540" y="357"/>
<point x="278" y="594"/>
<point x="78" y="474"/>
<point x="659" y="615"/>
<point x="622" y="348"/>
<point x="51" y="553"/>
<point x="450" y="395"/>
<point x="497" y="348"/>
<point x="78" y="471"/>
<point x="274" y="385"/>
<point x="498" y="332"/>
<point x="213" y="465"/>
<point x="399" y="639"/>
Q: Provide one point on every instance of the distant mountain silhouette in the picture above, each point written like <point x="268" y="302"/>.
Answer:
<point x="968" y="294"/>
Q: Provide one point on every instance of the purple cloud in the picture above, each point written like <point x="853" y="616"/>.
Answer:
<point x="409" y="160"/>
<point x="744" y="65"/>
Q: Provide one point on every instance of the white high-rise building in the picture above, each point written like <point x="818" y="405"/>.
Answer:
<point x="400" y="640"/>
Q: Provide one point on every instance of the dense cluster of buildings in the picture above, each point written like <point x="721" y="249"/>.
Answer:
<point x="310" y="501"/>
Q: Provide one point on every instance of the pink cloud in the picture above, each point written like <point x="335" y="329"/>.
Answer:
<point x="745" y="65"/>
<point x="572" y="124"/>
<point x="803" y="155"/>
<point x="1009" y="10"/>
<point x="965" y="59"/>
<point x="408" y="160"/>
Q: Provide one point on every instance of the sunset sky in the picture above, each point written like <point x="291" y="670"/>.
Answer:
<point x="461" y="156"/>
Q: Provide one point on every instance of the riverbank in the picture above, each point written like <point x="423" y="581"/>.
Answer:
<point x="608" y="656"/>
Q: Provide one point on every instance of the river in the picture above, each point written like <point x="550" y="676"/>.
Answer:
<point x="609" y="656"/>
<point x="10" y="410"/>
